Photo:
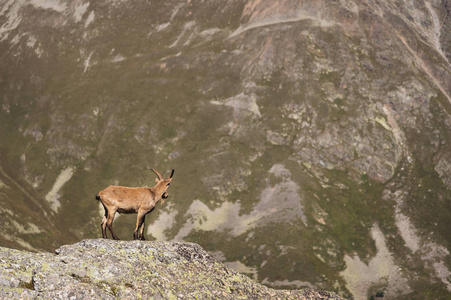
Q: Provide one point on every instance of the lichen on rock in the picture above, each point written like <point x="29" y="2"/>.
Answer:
<point x="106" y="269"/>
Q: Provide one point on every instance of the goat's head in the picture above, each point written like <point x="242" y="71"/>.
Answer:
<point x="162" y="185"/>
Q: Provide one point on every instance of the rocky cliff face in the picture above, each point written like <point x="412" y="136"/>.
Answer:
<point x="101" y="269"/>
<point x="311" y="139"/>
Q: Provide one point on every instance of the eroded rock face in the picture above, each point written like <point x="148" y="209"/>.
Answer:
<point x="105" y="269"/>
<point x="311" y="139"/>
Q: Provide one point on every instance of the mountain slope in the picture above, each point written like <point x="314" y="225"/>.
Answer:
<point x="311" y="140"/>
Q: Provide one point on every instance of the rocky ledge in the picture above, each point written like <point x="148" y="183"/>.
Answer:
<point x="106" y="269"/>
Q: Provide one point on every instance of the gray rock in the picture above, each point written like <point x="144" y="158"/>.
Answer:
<point x="106" y="269"/>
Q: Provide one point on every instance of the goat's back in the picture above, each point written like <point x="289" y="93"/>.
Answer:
<point x="122" y="196"/>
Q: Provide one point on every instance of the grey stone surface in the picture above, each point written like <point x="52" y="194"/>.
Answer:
<point x="106" y="269"/>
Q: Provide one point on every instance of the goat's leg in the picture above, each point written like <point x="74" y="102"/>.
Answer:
<point x="103" y="227"/>
<point x="141" y="230"/>
<point x="109" y="223"/>
<point x="103" y="224"/>
<point x="139" y="223"/>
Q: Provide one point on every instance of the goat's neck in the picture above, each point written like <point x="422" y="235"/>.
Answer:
<point x="156" y="196"/>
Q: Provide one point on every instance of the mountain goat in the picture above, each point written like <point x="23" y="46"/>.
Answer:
<point x="127" y="200"/>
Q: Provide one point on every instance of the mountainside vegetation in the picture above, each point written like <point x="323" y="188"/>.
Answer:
<point x="311" y="140"/>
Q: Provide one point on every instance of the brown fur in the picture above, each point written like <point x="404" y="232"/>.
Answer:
<point x="127" y="200"/>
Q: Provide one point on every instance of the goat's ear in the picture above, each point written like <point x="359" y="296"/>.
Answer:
<point x="156" y="180"/>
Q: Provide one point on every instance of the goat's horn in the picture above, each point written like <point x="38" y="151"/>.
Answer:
<point x="158" y="174"/>
<point x="172" y="174"/>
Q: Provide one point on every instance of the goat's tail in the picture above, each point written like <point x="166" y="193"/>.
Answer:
<point x="98" y="196"/>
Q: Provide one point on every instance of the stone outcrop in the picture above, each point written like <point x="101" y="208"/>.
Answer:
<point x="311" y="139"/>
<point x="106" y="269"/>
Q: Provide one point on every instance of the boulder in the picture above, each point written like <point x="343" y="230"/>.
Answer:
<point x="107" y="269"/>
